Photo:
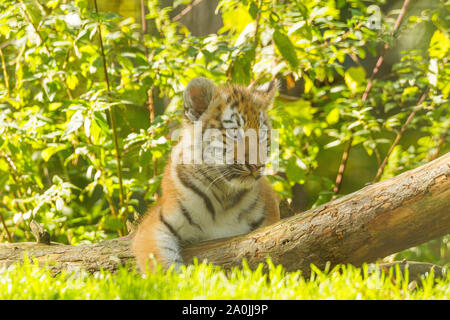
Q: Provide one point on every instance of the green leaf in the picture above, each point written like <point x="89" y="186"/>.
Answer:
<point x="54" y="106"/>
<point x="439" y="45"/>
<point x="241" y="72"/>
<point x="286" y="48"/>
<point x="294" y="170"/>
<point x="72" y="81"/>
<point x="75" y="122"/>
<point x="47" y="153"/>
<point x="112" y="223"/>
<point x="101" y="122"/>
<point x="87" y="126"/>
<point x="57" y="180"/>
<point x="333" y="116"/>
<point x="309" y="84"/>
<point x="332" y="144"/>
<point x="389" y="106"/>
<point x="59" y="204"/>
<point x="253" y="10"/>
<point x="95" y="131"/>
<point x="299" y="109"/>
<point x="354" y="76"/>
<point x="236" y="19"/>
<point x="409" y="92"/>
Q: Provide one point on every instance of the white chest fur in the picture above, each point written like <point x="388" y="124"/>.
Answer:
<point x="199" y="219"/>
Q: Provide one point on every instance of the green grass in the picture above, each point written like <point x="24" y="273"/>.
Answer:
<point x="202" y="281"/>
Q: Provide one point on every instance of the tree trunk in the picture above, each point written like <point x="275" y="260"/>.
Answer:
<point x="376" y="221"/>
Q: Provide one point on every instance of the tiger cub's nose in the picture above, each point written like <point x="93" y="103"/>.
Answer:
<point x="253" y="167"/>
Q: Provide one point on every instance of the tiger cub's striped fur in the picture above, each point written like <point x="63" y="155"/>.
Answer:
<point x="208" y="201"/>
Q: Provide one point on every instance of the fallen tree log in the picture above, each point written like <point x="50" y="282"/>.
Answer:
<point x="376" y="221"/>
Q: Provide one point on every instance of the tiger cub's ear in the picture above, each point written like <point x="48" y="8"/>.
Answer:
<point x="197" y="97"/>
<point x="267" y="92"/>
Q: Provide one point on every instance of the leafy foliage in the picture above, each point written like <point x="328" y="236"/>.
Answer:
<point x="58" y="158"/>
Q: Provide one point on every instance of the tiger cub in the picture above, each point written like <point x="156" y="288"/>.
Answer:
<point x="207" y="200"/>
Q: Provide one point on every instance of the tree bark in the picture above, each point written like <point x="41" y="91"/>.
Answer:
<point x="376" y="221"/>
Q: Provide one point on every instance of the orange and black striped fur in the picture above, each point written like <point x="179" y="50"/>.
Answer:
<point x="209" y="201"/>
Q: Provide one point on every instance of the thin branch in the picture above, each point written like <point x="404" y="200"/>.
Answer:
<point x="186" y="10"/>
<point x="342" y="166"/>
<point x="151" y="109"/>
<point x="27" y="17"/>
<point x="112" y="118"/>
<point x="144" y="26"/>
<point x="150" y="101"/>
<point x="108" y="198"/>
<point x="342" y="38"/>
<point x="258" y="21"/>
<point x="41" y="7"/>
<point x="13" y="170"/>
<point x="150" y="92"/>
<point x="5" y="73"/>
<point x="22" y="207"/>
<point x="400" y="134"/>
<point x="365" y="95"/>
<point x="6" y="228"/>
<point x="385" y="49"/>
<point x="5" y="44"/>
<point x="143" y="20"/>
<point x="439" y="144"/>
<point x="256" y="37"/>
<point x="261" y="76"/>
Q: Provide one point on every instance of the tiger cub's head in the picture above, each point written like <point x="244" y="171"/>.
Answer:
<point x="234" y="127"/>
